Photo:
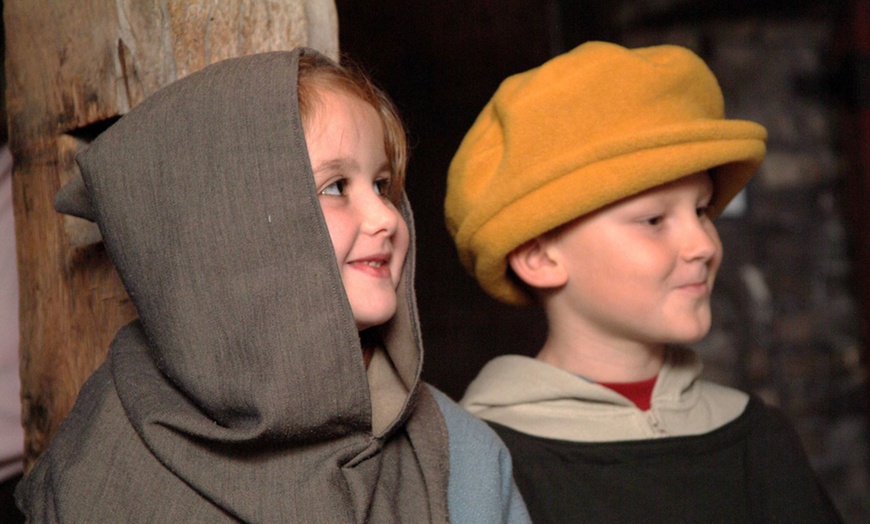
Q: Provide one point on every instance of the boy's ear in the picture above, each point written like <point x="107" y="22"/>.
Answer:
<point x="537" y="265"/>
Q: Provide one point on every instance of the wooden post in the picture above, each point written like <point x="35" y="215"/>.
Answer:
<point x="73" y="67"/>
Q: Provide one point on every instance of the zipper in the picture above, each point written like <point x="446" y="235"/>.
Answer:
<point x="655" y="424"/>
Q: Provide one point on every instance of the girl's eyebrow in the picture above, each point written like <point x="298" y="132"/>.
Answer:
<point x="338" y="164"/>
<point x="384" y="168"/>
<point x="350" y="165"/>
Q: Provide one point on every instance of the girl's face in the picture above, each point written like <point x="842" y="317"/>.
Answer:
<point x="345" y="139"/>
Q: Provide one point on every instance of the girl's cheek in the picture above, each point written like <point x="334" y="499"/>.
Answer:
<point x="401" y="244"/>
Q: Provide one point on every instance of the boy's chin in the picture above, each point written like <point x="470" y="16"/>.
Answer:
<point x="692" y="337"/>
<point x="689" y="334"/>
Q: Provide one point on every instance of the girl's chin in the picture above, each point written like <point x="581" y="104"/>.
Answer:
<point x="371" y="320"/>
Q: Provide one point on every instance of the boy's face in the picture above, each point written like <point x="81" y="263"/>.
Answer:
<point x="641" y="270"/>
<point x="345" y="140"/>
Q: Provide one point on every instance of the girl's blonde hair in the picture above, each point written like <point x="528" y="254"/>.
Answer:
<point x="317" y="73"/>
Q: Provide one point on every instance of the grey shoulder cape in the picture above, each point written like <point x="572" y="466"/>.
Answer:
<point x="240" y="393"/>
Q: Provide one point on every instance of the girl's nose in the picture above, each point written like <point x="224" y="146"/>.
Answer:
<point x="379" y="215"/>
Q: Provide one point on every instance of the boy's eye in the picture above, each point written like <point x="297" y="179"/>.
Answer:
<point x="703" y="211"/>
<point x="335" y="189"/>
<point x="654" y="221"/>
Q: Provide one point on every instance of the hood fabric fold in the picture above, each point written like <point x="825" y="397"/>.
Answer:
<point x="243" y="377"/>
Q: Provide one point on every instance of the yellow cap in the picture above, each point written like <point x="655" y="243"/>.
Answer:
<point x="586" y="129"/>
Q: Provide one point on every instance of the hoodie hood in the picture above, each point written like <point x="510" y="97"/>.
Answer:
<point x="536" y="398"/>
<point x="243" y="376"/>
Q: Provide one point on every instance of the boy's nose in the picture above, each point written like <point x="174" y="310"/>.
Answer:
<point x="702" y="242"/>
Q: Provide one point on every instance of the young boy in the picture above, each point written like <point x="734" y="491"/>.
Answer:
<point x="588" y="185"/>
<point x="256" y="214"/>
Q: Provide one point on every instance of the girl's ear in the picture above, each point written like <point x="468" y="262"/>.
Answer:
<point x="537" y="264"/>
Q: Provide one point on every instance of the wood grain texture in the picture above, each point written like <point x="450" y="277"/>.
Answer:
<point x="73" y="67"/>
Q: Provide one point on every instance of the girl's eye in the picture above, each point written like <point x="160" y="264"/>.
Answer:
<point x="335" y="189"/>
<point x="654" y="221"/>
<point x="382" y="186"/>
<point x="703" y="211"/>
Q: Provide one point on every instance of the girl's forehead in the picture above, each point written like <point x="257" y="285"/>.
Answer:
<point x="339" y="112"/>
<point x="328" y="102"/>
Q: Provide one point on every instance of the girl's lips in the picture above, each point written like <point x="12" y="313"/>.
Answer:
<point x="378" y="267"/>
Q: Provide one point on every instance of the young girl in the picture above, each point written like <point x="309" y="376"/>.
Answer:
<point x="273" y="374"/>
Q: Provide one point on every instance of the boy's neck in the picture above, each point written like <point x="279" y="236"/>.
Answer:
<point x="603" y="361"/>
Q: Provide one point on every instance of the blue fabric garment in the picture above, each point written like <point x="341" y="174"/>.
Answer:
<point x="474" y="493"/>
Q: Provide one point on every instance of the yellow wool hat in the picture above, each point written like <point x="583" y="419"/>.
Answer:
<point x="586" y="129"/>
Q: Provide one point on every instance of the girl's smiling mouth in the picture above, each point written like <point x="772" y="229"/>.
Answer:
<point x="377" y="266"/>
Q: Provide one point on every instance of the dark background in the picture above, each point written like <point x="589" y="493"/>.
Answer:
<point x="441" y="62"/>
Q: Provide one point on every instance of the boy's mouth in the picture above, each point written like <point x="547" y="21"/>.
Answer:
<point x="696" y="283"/>
<point x="698" y="287"/>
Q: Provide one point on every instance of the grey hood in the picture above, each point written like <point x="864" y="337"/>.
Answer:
<point x="240" y="393"/>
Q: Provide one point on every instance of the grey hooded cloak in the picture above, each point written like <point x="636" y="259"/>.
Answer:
<point x="240" y="393"/>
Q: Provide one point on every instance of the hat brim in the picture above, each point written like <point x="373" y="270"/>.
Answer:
<point x="730" y="161"/>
